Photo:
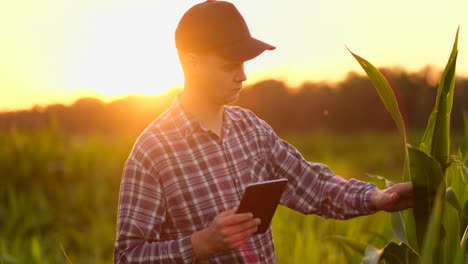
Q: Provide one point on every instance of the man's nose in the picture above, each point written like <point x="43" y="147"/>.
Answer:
<point x="240" y="75"/>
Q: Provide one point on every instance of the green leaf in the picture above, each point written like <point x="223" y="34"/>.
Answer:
<point x="388" y="98"/>
<point x="391" y="253"/>
<point x="465" y="210"/>
<point x="398" y="226"/>
<point x="372" y="255"/>
<point x="388" y="183"/>
<point x="452" y="223"/>
<point x="385" y="92"/>
<point x="432" y="250"/>
<point x="452" y="200"/>
<point x="410" y="228"/>
<point x="460" y="255"/>
<point x="426" y="176"/>
<point x="436" y="139"/>
<point x="462" y="214"/>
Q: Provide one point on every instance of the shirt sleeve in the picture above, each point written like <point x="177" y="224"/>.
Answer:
<point x="140" y="216"/>
<point x="314" y="189"/>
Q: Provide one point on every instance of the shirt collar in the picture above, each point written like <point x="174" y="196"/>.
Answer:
<point x="188" y="124"/>
<point x="183" y="120"/>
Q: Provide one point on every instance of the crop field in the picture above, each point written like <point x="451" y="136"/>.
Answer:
<point x="59" y="192"/>
<point x="59" y="197"/>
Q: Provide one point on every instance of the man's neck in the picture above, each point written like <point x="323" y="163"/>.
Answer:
<point x="208" y="114"/>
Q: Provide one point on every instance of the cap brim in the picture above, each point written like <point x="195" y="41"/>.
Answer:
<point x="245" y="50"/>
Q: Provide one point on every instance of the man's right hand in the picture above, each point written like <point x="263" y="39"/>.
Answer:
<point x="227" y="231"/>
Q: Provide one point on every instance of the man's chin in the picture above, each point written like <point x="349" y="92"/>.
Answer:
<point x="228" y="97"/>
<point x="232" y="98"/>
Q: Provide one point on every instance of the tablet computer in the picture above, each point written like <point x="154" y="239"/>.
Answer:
<point x="261" y="199"/>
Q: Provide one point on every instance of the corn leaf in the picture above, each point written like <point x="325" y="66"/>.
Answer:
<point x="452" y="200"/>
<point x="426" y="176"/>
<point x="432" y="250"/>
<point x="465" y="212"/>
<point x="385" y="92"/>
<point x="436" y="139"/>
<point x="392" y="253"/>
<point x="451" y="236"/>
<point x="388" y="98"/>
<point x="398" y="224"/>
<point x="388" y="183"/>
<point x="460" y="255"/>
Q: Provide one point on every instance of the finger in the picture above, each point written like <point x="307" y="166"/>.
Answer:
<point x="400" y="205"/>
<point x="239" y="243"/>
<point x="244" y="226"/>
<point x="243" y="236"/>
<point x="404" y="188"/>
<point x="237" y="218"/>
<point x="408" y="203"/>
<point x="229" y="212"/>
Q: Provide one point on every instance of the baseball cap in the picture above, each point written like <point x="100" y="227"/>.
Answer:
<point x="218" y="27"/>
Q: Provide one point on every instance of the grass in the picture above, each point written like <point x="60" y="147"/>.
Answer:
<point x="59" y="197"/>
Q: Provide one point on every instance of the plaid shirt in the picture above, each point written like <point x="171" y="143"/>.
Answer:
<point x="179" y="176"/>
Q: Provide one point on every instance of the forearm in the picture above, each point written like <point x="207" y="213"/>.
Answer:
<point x="139" y="250"/>
<point x="315" y="189"/>
<point x="344" y="199"/>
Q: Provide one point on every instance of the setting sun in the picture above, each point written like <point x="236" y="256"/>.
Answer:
<point x="127" y="51"/>
<point x="56" y="52"/>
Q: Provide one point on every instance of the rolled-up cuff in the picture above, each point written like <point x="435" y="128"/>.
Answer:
<point x="368" y="207"/>
<point x="186" y="250"/>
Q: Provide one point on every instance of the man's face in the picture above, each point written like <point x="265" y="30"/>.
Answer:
<point x="220" y="80"/>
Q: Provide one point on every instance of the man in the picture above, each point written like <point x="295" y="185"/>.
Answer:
<point x="189" y="168"/>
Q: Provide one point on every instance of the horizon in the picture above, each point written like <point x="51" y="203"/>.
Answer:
<point x="433" y="76"/>
<point x="57" y="52"/>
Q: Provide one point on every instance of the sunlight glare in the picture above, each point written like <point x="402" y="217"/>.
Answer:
<point x="129" y="51"/>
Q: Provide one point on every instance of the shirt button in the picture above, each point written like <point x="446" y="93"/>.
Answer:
<point x="237" y="180"/>
<point x="262" y="256"/>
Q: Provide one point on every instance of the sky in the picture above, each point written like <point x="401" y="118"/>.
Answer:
<point x="55" y="51"/>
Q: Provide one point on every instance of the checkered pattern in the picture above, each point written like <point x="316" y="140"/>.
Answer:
<point x="179" y="176"/>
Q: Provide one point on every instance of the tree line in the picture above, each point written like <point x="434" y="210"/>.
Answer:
<point x="346" y="106"/>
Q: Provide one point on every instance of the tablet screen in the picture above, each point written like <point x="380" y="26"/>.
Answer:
<point x="261" y="199"/>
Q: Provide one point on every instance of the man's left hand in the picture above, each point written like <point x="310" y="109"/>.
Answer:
<point x="396" y="198"/>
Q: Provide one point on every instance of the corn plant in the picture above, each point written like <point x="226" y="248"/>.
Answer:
<point x="427" y="234"/>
